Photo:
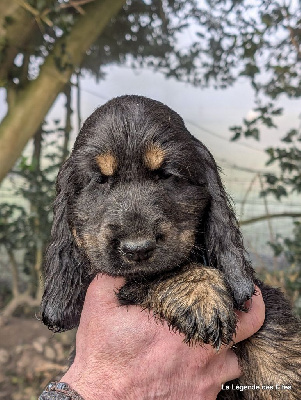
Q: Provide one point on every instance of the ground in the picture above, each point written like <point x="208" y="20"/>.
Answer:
<point x="30" y="357"/>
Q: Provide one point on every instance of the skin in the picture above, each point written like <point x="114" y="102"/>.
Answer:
<point x="124" y="353"/>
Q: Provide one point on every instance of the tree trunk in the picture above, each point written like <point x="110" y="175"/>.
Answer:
<point x="14" y="272"/>
<point x="32" y="105"/>
<point x="68" y="126"/>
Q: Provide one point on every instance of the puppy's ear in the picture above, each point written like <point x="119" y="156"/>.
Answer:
<point x="64" y="267"/>
<point x="223" y="239"/>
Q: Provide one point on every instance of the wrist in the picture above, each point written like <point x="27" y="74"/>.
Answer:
<point x="93" y="385"/>
<point x="97" y="385"/>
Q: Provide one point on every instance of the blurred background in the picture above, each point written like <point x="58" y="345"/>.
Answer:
<point x="230" y="68"/>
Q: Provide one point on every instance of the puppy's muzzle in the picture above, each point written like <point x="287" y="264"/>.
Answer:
<point x="137" y="250"/>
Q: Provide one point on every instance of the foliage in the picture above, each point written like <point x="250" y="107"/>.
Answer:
<point x="269" y="56"/>
<point x="290" y="247"/>
<point x="267" y="37"/>
<point x="290" y="280"/>
<point x="13" y="227"/>
<point x="27" y="226"/>
<point x="289" y="161"/>
<point x="228" y="39"/>
<point x="144" y="33"/>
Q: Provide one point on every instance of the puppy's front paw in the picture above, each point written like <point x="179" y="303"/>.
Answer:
<point x="133" y="292"/>
<point x="196" y="303"/>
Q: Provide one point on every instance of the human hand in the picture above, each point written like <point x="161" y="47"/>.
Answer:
<point x="124" y="353"/>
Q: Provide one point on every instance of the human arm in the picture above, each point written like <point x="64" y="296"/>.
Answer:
<point x="124" y="353"/>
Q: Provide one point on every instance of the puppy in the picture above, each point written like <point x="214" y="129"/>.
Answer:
<point x="140" y="197"/>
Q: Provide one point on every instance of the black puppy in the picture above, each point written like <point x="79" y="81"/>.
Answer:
<point x="141" y="198"/>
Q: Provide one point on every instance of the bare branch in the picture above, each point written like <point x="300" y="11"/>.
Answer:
<point x="269" y="216"/>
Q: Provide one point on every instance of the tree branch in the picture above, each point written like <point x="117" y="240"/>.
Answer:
<point x="17" y="301"/>
<point x="269" y="216"/>
<point x="17" y="26"/>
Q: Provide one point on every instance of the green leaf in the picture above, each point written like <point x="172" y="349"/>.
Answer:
<point x="290" y="136"/>
<point x="237" y="132"/>
<point x="271" y="179"/>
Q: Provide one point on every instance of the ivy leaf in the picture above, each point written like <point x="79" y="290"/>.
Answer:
<point x="271" y="179"/>
<point x="237" y="132"/>
<point x="290" y="136"/>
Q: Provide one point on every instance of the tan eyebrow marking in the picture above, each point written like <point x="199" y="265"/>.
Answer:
<point x="154" y="157"/>
<point x="107" y="163"/>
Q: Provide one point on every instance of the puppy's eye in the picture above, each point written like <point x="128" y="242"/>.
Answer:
<point x="101" y="179"/>
<point x="162" y="175"/>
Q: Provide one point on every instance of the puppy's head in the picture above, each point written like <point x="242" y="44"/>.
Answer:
<point x="140" y="192"/>
<point x="139" y="195"/>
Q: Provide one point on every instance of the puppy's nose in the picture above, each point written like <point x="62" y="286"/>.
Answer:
<point x="137" y="250"/>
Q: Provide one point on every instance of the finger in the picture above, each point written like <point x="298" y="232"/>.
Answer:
<point x="231" y="369"/>
<point x="251" y="321"/>
<point x="104" y="287"/>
